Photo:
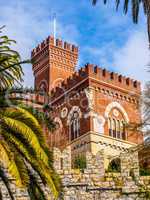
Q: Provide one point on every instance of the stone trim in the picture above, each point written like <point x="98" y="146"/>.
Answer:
<point x="74" y="109"/>
<point x="115" y="104"/>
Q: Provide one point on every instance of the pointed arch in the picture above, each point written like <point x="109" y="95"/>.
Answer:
<point x="43" y="86"/>
<point x="74" y="109"/>
<point x="119" y="107"/>
<point x="58" y="120"/>
<point x="74" y="122"/>
<point x="57" y="82"/>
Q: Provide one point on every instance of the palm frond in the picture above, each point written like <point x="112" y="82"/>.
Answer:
<point x="6" y="182"/>
<point x="34" y="189"/>
<point x="135" y="7"/>
<point x="45" y="172"/>
<point x="7" y="159"/>
<point x="22" y="169"/>
<point x="126" y="4"/>
<point x="10" y="63"/>
<point x="94" y="2"/>
<point x="25" y="133"/>
<point x="135" y="10"/>
<point x="41" y="116"/>
<point x="27" y="118"/>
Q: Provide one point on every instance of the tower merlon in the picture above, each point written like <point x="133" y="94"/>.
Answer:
<point x="111" y="77"/>
<point x="101" y="74"/>
<point x="50" y="40"/>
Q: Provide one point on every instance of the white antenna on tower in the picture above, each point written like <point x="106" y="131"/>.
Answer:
<point x="54" y="25"/>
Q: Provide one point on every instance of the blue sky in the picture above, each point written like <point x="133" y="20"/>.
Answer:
<point x="105" y="37"/>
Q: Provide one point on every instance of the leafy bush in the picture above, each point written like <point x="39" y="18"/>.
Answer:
<point x="144" y="172"/>
<point x="114" y="166"/>
<point x="80" y="162"/>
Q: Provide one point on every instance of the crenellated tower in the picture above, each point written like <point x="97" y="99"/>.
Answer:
<point x="53" y="61"/>
<point x="91" y="107"/>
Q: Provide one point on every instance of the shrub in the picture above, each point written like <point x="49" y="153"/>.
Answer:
<point x="114" y="166"/>
<point x="80" y="162"/>
<point x="144" y="172"/>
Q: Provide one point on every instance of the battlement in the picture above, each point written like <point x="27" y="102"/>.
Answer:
<point x="99" y="74"/>
<point x="95" y="163"/>
<point x="51" y="41"/>
<point x="112" y="77"/>
<point x="95" y="182"/>
<point x="92" y="183"/>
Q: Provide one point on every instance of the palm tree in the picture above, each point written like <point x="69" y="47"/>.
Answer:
<point x="22" y="147"/>
<point x="10" y="63"/>
<point x="23" y="150"/>
<point x="135" y="5"/>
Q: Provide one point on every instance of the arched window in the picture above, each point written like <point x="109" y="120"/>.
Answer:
<point x="117" y="126"/>
<point x="117" y="120"/>
<point x="75" y="125"/>
<point x="110" y="126"/>
<point x="57" y="125"/>
<point x="123" y="130"/>
<point x="118" y="129"/>
<point x="43" y="86"/>
<point x="114" y="128"/>
<point x="57" y="134"/>
<point x="114" y="165"/>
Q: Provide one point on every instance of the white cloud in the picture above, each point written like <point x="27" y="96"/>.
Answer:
<point x="130" y="59"/>
<point x="133" y="58"/>
<point x="101" y="54"/>
<point x="29" y="26"/>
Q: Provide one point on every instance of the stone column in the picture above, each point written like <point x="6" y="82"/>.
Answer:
<point x="89" y="161"/>
<point x="95" y="164"/>
<point x="129" y="162"/>
<point x="135" y="163"/>
<point x="66" y="156"/>
<point x="125" y="170"/>
<point x="57" y="159"/>
<point x="99" y="163"/>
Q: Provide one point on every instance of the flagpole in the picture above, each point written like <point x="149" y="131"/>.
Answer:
<point x="54" y="26"/>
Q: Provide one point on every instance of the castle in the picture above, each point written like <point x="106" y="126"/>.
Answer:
<point x="91" y="107"/>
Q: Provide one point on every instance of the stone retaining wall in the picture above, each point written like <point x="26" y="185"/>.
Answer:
<point x="93" y="183"/>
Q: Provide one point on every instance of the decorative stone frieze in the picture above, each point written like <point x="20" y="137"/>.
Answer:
<point x="90" y="96"/>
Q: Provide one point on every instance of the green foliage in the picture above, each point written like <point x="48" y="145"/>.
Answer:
<point x="22" y="144"/>
<point x="144" y="172"/>
<point x="135" y="8"/>
<point x="22" y="140"/>
<point x="80" y="162"/>
<point x="144" y="192"/>
<point x="43" y="117"/>
<point x="114" y="166"/>
<point x="10" y="63"/>
<point x="147" y="194"/>
<point x="6" y="182"/>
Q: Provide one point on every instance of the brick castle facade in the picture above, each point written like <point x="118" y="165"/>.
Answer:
<point x="91" y="106"/>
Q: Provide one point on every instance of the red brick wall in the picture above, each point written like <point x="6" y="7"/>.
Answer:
<point x="54" y="63"/>
<point x="105" y="92"/>
<point x="60" y="59"/>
